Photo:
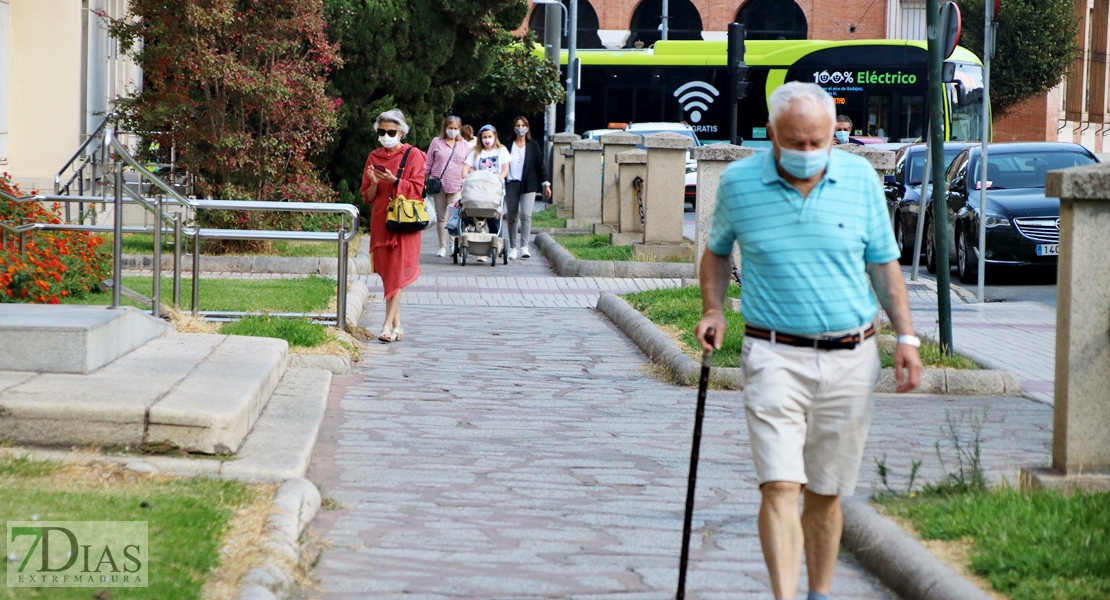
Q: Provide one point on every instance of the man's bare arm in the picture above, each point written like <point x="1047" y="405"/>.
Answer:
<point x="890" y="290"/>
<point x="713" y="274"/>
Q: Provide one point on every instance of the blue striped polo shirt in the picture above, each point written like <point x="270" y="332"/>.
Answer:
<point x="804" y="260"/>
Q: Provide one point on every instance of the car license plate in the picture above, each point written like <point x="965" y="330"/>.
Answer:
<point x="1048" y="249"/>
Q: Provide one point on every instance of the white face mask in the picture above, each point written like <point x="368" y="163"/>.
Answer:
<point x="452" y="133"/>
<point x="487" y="142"/>
<point x="389" y="142"/>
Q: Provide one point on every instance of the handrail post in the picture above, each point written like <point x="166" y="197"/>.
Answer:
<point x="117" y="237"/>
<point x="177" y="260"/>
<point x="341" y="286"/>
<point x="196" y="270"/>
<point x="156" y="297"/>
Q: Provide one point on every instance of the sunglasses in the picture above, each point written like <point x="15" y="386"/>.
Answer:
<point x="387" y="132"/>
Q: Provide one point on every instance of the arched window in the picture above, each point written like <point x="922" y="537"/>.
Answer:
<point x="773" y="20"/>
<point x="587" y="24"/>
<point x="684" y="22"/>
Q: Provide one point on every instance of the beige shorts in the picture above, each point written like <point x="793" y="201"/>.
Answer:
<point x="808" y="412"/>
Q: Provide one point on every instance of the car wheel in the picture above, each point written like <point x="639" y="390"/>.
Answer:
<point x="930" y="251"/>
<point x="967" y="266"/>
<point x="900" y="238"/>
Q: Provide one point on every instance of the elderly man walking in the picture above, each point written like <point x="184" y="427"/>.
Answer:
<point x="813" y="228"/>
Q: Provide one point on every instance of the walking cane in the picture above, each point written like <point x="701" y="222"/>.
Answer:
<point x="703" y="383"/>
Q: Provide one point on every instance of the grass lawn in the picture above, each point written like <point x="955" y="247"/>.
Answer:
<point x="1030" y="545"/>
<point x="931" y="355"/>
<point x="186" y="520"/>
<point x="306" y="294"/>
<point x="298" y="332"/>
<point x="678" y="310"/>
<point x="547" y="218"/>
<point x="143" y="243"/>
<point x="597" y="247"/>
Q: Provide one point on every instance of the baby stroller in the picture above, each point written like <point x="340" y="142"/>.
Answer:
<point x="481" y="210"/>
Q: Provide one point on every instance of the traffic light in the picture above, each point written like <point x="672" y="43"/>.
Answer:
<point x="740" y="81"/>
<point x="738" y="70"/>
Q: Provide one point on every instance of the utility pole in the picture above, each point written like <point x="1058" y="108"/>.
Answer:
<point x="737" y="72"/>
<point x="666" y="17"/>
<point x="572" y="64"/>
<point x="552" y="40"/>
<point x="936" y="162"/>
<point x="989" y="17"/>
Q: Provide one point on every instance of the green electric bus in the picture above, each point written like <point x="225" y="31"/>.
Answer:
<point x="880" y="84"/>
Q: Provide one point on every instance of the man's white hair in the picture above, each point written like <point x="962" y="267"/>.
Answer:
<point x="394" y="116"/>
<point x="787" y="94"/>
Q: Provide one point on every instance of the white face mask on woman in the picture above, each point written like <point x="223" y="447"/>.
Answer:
<point x="389" y="142"/>
<point x="522" y="131"/>
<point x="452" y="133"/>
<point x="487" y="142"/>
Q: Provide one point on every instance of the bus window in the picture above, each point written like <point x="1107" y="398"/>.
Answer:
<point x="965" y="103"/>
<point x="878" y="115"/>
<point x="911" y="127"/>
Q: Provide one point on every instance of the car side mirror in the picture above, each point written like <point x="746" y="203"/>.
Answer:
<point x="958" y="184"/>
<point x="889" y="180"/>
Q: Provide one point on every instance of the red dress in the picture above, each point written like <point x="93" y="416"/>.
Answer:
<point x="396" y="256"/>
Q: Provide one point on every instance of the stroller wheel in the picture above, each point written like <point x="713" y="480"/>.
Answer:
<point x="493" y="257"/>
<point x="504" y="256"/>
<point x="463" y="253"/>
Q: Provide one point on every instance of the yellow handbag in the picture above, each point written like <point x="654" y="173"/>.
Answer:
<point x="404" y="215"/>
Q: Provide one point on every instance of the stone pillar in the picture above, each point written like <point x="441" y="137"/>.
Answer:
<point x="567" y="209"/>
<point x="587" y="184"/>
<point x="664" y="196"/>
<point x="613" y="144"/>
<point x="881" y="160"/>
<point x="1081" y="414"/>
<point x="712" y="162"/>
<point x="631" y="164"/>
<point x="558" y="178"/>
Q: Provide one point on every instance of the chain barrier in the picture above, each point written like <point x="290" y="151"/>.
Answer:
<point x="638" y="186"/>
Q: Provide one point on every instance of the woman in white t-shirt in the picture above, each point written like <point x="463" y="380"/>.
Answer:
<point x="490" y="156"/>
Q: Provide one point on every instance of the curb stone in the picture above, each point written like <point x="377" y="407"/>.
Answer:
<point x="357" y="296"/>
<point x="898" y="560"/>
<point x="662" y="350"/>
<point x="566" y="265"/>
<point x="362" y="257"/>
<point x="297" y="502"/>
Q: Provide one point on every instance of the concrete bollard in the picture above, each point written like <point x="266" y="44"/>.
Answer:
<point x="712" y="162"/>
<point x="558" y="175"/>
<point x="881" y="160"/>
<point x="613" y="144"/>
<point x="663" y="197"/>
<point x="587" y="184"/>
<point x="1081" y="423"/>
<point x="632" y="164"/>
<point x="567" y="209"/>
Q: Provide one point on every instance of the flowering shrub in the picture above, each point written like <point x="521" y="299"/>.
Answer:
<point x="54" y="264"/>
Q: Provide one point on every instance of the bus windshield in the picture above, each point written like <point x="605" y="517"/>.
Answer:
<point x="965" y="104"/>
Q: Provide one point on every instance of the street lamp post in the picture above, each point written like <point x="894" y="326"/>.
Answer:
<point x="665" y="18"/>
<point x="552" y="40"/>
<point x="570" y="28"/>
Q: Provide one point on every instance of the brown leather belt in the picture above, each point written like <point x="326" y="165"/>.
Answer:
<point x="844" y="342"/>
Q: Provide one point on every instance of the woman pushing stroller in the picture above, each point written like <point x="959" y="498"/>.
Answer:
<point x="490" y="156"/>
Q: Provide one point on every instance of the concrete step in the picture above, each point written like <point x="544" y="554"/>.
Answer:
<point x="202" y="393"/>
<point x="71" y="339"/>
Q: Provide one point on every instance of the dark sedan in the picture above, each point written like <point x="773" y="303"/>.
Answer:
<point x="1022" y="224"/>
<point x="903" y="191"/>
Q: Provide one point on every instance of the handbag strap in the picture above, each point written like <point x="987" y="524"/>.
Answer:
<point x="449" y="156"/>
<point x="400" y="171"/>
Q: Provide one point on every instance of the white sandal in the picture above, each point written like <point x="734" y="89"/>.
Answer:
<point x="388" y="335"/>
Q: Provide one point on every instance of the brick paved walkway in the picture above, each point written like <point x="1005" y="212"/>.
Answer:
<point x="1015" y="336"/>
<point x="523" y="452"/>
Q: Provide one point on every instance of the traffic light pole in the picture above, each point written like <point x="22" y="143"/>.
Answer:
<point x="939" y="196"/>
<point x="737" y="71"/>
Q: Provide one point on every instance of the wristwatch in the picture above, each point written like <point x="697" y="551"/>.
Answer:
<point x="911" y="340"/>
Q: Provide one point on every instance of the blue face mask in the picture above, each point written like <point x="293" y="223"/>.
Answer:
<point x="801" y="164"/>
<point x="841" y="137"/>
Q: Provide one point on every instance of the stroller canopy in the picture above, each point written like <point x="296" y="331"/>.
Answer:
<point x="482" y="190"/>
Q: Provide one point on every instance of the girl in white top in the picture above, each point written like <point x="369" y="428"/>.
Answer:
<point x="491" y="157"/>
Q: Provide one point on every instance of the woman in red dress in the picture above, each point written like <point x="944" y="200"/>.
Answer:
<point x="396" y="256"/>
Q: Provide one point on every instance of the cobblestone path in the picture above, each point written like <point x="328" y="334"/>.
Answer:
<point x="514" y="452"/>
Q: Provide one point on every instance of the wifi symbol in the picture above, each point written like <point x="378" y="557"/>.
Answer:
<point x="691" y="95"/>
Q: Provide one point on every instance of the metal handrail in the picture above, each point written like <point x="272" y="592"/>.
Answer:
<point x="120" y="157"/>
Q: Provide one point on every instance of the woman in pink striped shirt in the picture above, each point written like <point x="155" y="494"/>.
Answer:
<point x="446" y="156"/>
